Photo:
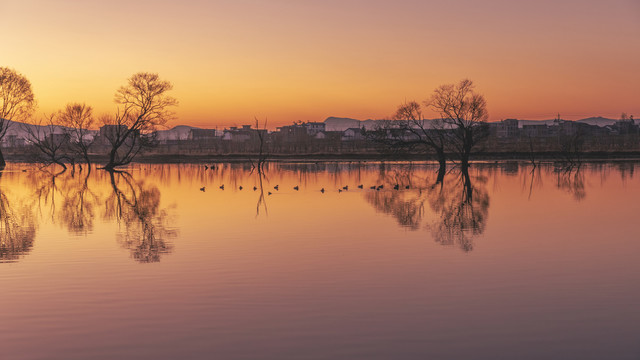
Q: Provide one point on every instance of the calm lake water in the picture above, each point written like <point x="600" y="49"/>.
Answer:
<point x="159" y="262"/>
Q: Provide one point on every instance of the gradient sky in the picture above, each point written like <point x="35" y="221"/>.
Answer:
<point x="286" y="60"/>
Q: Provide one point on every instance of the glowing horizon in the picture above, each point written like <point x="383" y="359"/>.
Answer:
<point x="231" y="62"/>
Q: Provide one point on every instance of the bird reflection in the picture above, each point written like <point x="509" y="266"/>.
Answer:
<point x="144" y="225"/>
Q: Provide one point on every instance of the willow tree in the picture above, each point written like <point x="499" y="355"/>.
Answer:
<point x="16" y="101"/>
<point x="144" y="105"/>
<point x="465" y="111"/>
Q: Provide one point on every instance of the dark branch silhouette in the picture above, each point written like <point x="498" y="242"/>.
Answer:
<point x="17" y="102"/>
<point x="143" y="106"/>
<point x="51" y="144"/>
<point x="17" y="229"/>
<point x="462" y="207"/>
<point x="410" y="131"/>
<point x="136" y="206"/>
<point x="465" y="111"/>
<point x="78" y="120"/>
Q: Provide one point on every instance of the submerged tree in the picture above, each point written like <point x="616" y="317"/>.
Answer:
<point x="263" y="153"/>
<point x="465" y="111"/>
<point x="410" y="131"/>
<point x="50" y="142"/>
<point x="143" y="106"/>
<point x="16" y="101"/>
<point x="78" y="119"/>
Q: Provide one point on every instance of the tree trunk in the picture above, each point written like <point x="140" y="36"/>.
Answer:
<point x="86" y="158"/>
<point x="2" y="162"/>
<point x="112" y="160"/>
<point x="442" y="161"/>
<point x="468" y="188"/>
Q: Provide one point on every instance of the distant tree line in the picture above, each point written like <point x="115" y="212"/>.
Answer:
<point x="143" y="105"/>
<point x="67" y="135"/>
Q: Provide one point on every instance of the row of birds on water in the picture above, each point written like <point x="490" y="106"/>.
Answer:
<point x="296" y="188"/>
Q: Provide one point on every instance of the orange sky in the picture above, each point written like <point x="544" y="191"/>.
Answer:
<point x="287" y="60"/>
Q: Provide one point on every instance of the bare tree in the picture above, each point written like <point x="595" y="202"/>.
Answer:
<point x="16" y="101"/>
<point x="262" y="151"/>
<point x="50" y="142"/>
<point x="78" y="120"/>
<point x="143" y="106"/>
<point x="460" y="107"/>
<point x="422" y="132"/>
<point x="410" y="131"/>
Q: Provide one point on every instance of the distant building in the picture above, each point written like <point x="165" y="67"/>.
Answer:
<point x="202" y="135"/>
<point x="58" y="139"/>
<point x="314" y="128"/>
<point x="13" y="141"/>
<point x="535" y="131"/>
<point x="353" y="134"/>
<point x="108" y="133"/>
<point x="625" y="126"/>
<point x="292" y="133"/>
<point x="243" y="134"/>
<point x="508" y="128"/>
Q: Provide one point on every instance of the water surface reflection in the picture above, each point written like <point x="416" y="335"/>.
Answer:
<point x="320" y="260"/>
<point x="451" y="206"/>
<point x="76" y="200"/>
<point x="17" y="227"/>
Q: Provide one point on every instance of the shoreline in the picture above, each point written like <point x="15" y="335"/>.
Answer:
<point x="247" y="158"/>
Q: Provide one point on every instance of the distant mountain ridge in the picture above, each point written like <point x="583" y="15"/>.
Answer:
<point x="21" y="130"/>
<point x="179" y="132"/>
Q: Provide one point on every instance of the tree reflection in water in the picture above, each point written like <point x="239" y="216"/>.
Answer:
<point x="459" y="204"/>
<point x="572" y="181"/>
<point x="462" y="204"/>
<point x="68" y="199"/>
<point x="78" y="205"/>
<point x="136" y="207"/>
<point x="17" y="229"/>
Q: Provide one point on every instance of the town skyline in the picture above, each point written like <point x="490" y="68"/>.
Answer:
<point x="231" y="62"/>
